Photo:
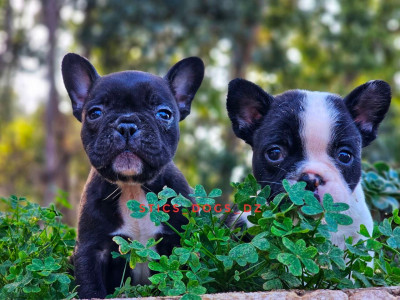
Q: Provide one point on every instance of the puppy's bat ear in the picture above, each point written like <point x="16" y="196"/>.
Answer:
<point x="247" y="104"/>
<point x="185" y="78"/>
<point x="368" y="105"/>
<point x="79" y="76"/>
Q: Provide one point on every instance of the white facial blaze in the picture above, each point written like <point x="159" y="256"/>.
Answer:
<point x="318" y="122"/>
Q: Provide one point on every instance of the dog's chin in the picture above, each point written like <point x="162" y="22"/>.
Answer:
<point x="127" y="164"/>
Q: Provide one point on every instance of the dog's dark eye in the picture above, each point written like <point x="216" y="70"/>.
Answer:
<point x="274" y="154"/>
<point x="164" y="114"/>
<point x="345" y="157"/>
<point x="95" y="113"/>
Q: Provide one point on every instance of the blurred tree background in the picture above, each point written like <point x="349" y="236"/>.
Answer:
<point x="310" y="44"/>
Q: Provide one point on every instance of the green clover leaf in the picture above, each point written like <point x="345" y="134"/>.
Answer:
<point x="157" y="217"/>
<point x="295" y="191"/>
<point x="385" y="228"/>
<point x="394" y="240"/>
<point x="243" y="254"/>
<point x="284" y="228"/>
<point x="312" y="207"/>
<point x="123" y="244"/>
<point x="158" y="278"/>
<point x="260" y="242"/>
<point x="137" y="209"/>
<point x="292" y="262"/>
<point x="226" y="260"/>
<point x="194" y="287"/>
<point x="215" y="193"/>
<point x="50" y="264"/>
<point x="181" y="201"/>
<point x="300" y="253"/>
<point x="273" y="284"/>
<point x="199" y="191"/>
<point x="36" y="265"/>
<point x="333" y="217"/>
<point x="183" y="254"/>
<point x="331" y="206"/>
<point x="166" y="193"/>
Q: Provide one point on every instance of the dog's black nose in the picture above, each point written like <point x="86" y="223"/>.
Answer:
<point x="313" y="181"/>
<point x="127" y="129"/>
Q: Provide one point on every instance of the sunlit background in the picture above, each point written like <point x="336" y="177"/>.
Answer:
<point x="317" y="45"/>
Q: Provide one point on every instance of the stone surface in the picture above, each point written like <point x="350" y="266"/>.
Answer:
<point x="386" y="293"/>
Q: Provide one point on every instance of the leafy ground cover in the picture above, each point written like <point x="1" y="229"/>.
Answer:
<point x="287" y="247"/>
<point x="34" y="251"/>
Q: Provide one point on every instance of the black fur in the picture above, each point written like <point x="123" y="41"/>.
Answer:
<point x="247" y="104"/>
<point x="120" y="116"/>
<point x="368" y="105"/>
<point x="265" y="121"/>
<point x="349" y="137"/>
<point x="99" y="217"/>
<point x="280" y="126"/>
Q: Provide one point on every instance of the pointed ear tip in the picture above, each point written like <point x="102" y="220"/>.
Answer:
<point x="382" y="84"/>
<point x="194" y="61"/>
<point x="235" y="88"/>
<point x="198" y="63"/>
<point x="192" y="64"/>
<point x="197" y="59"/>
<point x="379" y="81"/>
<point x="384" y="88"/>
<point x="70" y="58"/>
<point x="236" y="82"/>
<point x="73" y="58"/>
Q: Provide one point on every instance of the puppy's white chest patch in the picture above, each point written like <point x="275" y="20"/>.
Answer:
<point x="136" y="229"/>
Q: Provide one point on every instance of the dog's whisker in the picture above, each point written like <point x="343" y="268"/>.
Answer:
<point x="266" y="181"/>
<point x="113" y="193"/>
<point x="286" y="171"/>
<point x="149" y="190"/>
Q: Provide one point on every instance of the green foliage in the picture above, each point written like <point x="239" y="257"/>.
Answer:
<point x="21" y="146"/>
<point x="381" y="185"/>
<point x="34" y="251"/>
<point x="287" y="247"/>
<point x="337" y="45"/>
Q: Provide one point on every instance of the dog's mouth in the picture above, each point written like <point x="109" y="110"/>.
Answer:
<point x="127" y="164"/>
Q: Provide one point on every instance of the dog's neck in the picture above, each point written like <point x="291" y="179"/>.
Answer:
<point x="360" y="214"/>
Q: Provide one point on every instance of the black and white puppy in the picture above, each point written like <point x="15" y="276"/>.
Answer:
<point x="130" y="132"/>
<point x="314" y="137"/>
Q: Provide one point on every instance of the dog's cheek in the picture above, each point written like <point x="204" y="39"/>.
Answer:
<point x="158" y="144"/>
<point x="351" y="174"/>
<point x="334" y="183"/>
<point x="337" y="189"/>
<point x="169" y="137"/>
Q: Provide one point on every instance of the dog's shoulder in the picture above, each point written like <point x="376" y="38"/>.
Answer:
<point x="98" y="210"/>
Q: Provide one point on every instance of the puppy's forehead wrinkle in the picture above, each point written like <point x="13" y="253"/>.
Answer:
<point x="129" y="87"/>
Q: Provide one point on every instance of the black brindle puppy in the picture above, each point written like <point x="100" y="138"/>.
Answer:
<point x="130" y="132"/>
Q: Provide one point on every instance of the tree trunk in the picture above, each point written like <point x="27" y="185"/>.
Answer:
<point x="6" y="57"/>
<point x="87" y="24"/>
<point x="241" y="57"/>
<point x="56" y="153"/>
